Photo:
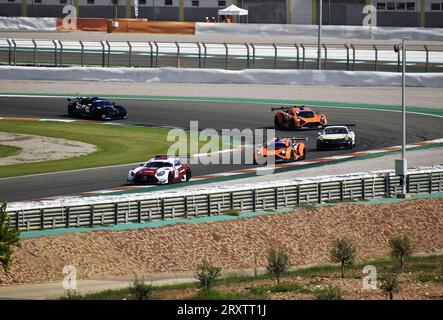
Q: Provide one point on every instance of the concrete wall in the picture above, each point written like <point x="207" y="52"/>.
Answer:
<point x="434" y="19"/>
<point x="10" y="9"/>
<point x="265" y="11"/>
<point x="398" y="19"/>
<point x="339" y="12"/>
<point x="301" y="11"/>
<point x="199" y="14"/>
<point x="249" y="76"/>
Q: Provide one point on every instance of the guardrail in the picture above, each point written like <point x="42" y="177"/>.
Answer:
<point x="292" y="194"/>
<point x="233" y="56"/>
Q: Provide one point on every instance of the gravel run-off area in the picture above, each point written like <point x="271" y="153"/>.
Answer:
<point x="39" y="148"/>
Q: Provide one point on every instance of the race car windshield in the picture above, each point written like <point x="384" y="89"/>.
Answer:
<point x="306" y="114"/>
<point x="336" y="131"/>
<point x="276" y="145"/>
<point x="103" y="103"/>
<point x="158" y="164"/>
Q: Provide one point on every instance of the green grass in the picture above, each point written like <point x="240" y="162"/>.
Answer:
<point x="232" y="212"/>
<point x="102" y="295"/>
<point x="115" y="144"/>
<point x="428" y="267"/>
<point x="213" y="294"/>
<point x="6" y="151"/>
<point x="279" y="287"/>
<point x="430" y="278"/>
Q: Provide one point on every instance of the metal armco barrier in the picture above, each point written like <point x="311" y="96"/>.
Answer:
<point x="215" y="202"/>
<point x="232" y="56"/>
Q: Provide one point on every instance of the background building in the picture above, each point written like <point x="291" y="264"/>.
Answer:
<point x="404" y="13"/>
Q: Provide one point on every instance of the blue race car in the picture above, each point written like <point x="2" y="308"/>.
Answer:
<point x="96" y="108"/>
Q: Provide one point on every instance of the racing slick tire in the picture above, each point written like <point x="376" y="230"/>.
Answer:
<point x="303" y="157"/>
<point x="170" y="178"/>
<point x="188" y="175"/>
<point x="277" y="124"/>
<point x="350" y="146"/>
<point x="293" y="156"/>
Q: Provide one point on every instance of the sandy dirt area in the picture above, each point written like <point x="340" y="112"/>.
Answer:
<point x="306" y="234"/>
<point x="39" y="148"/>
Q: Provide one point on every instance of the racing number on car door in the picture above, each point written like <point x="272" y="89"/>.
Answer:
<point x="177" y="171"/>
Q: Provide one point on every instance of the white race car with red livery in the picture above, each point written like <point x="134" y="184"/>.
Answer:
<point x="160" y="170"/>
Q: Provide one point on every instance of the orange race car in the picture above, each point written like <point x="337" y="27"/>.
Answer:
<point x="298" y="118"/>
<point x="282" y="148"/>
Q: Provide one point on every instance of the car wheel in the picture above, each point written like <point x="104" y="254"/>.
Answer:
<point x="293" y="156"/>
<point x="170" y="178"/>
<point x="188" y="175"/>
<point x="277" y="124"/>
<point x="303" y="157"/>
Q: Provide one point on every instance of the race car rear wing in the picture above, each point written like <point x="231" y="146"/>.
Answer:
<point x="340" y="124"/>
<point x="78" y="98"/>
<point x="288" y="107"/>
<point x="294" y="138"/>
<point x="280" y="108"/>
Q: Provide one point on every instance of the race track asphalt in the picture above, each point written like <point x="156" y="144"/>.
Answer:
<point x="374" y="129"/>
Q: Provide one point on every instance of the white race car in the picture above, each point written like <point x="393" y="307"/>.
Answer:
<point x="336" y="137"/>
<point x="160" y="170"/>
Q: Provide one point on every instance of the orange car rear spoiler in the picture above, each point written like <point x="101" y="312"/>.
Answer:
<point x="341" y="124"/>
<point x="280" y="108"/>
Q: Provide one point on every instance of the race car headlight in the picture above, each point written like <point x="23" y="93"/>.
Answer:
<point x="320" y="137"/>
<point x="283" y="152"/>
<point x="258" y="152"/>
<point x="161" y="173"/>
<point x="322" y="119"/>
<point x="132" y="173"/>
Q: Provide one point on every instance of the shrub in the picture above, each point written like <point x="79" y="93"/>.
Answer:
<point x="400" y="249"/>
<point x="212" y="294"/>
<point x="278" y="263"/>
<point x="389" y="284"/>
<point x="232" y="212"/>
<point x="343" y="251"/>
<point x="9" y="238"/>
<point x="140" y="290"/>
<point x="207" y="274"/>
<point x="329" y="293"/>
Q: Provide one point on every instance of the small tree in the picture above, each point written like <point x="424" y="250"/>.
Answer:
<point x="9" y="237"/>
<point x="400" y="249"/>
<point x="278" y="263"/>
<point x="206" y="274"/>
<point x="139" y="289"/>
<point x="329" y="293"/>
<point x="389" y="284"/>
<point x="343" y="251"/>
